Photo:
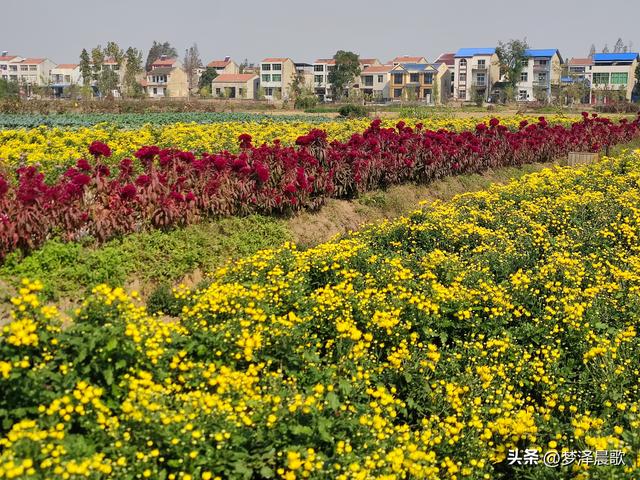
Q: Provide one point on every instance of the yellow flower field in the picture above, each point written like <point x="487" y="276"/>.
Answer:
<point x="427" y="347"/>
<point x="56" y="146"/>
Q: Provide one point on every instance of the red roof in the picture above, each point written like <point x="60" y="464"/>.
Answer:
<point x="33" y="60"/>
<point x="167" y="62"/>
<point x="328" y="61"/>
<point x="69" y="66"/>
<point x="368" y="61"/>
<point x="377" y="69"/>
<point x="275" y="59"/>
<point x="446" y="58"/>
<point x="6" y="58"/>
<point x="581" y="61"/>
<point x="407" y="59"/>
<point x="218" y="63"/>
<point x="234" y="78"/>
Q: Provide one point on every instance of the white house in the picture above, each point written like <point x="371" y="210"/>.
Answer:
<point x="476" y="70"/>
<point x="63" y="76"/>
<point x="613" y="75"/>
<point x="542" y="71"/>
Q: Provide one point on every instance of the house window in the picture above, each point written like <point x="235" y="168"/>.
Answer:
<point x="542" y="78"/>
<point x="463" y="64"/>
<point x="368" y="81"/>
<point x="317" y="78"/>
<point x="33" y="68"/>
<point x="218" y="91"/>
<point x="268" y="91"/>
<point x="380" y="78"/>
<point x="481" y="80"/>
<point x="3" y="67"/>
<point x="463" y="77"/>
<point x="266" y="77"/>
<point x="24" y="68"/>
<point x="522" y="94"/>
<point x="276" y="77"/>
<point x="67" y="78"/>
<point x="13" y="68"/>
<point x="277" y="66"/>
<point x="600" y="78"/>
<point x="453" y="77"/>
<point x="397" y="92"/>
<point x="428" y="77"/>
<point x="543" y="63"/>
<point x="618" y="78"/>
<point x="266" y="66"/>
<point x="397" y="78"/>
<point x="414" y="77"/>
<point x="462" y="94"/>
<point x="318" y="68"/>
<point x="241" y="92"/>
<point x="426" y="94"/>
<point x="155" y="91"/>
<point x="524" y="76"/>
<point x="482" y="64"/>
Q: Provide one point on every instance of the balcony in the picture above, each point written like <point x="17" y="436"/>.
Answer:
<point x="540" y="68"/>
<point x="542" y="84"/>
<point x="481" y="67"/>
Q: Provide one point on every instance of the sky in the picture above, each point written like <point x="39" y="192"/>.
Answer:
<point x="304" y="30"/>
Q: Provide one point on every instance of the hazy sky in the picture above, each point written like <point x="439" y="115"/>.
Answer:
<point x="305" y="30"/>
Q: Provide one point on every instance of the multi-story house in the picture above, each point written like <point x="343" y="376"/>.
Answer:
<point x="413" y="81"/>
<point x="374" y="82"/>
<point x="31" y="72"/>
<point x="449" y="60"/>
<point x="166" y="78"/>
<point x="236" y="85"/>
<point x="613" y="76"/>
<point x="540" y="76"/>
<point x="321" y="69"/>
<point x="305" y="72"/>
<point x="476" y="70"/>
<point x="9" y="67"/>
<point x="63" y="76"/>
<point x="580" y="68"/>
<point x="276" y="75"/>
<point x="224" y="66"/>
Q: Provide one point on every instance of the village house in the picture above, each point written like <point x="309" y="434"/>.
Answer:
<point x="476" y="70"/>
<point x="613" y="76"/>
<point x="276" y="75"/>
<point x="540" y="76"/>
<point x="236" y="85"/>
<point x="166" y="78"/>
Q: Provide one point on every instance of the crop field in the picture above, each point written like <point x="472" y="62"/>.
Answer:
<point x="430" y="346"/>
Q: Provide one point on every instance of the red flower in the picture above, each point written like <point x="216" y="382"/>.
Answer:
<point x="103" y="171"/>
<point x="82" y="164"/>
<point x="147" y="153"/>
<point x="220" y="162"/>
<point x="128" y="192"/>
<point x="245" y="140"/>
<point x="291" y="188"/>
<point x="4" y="187"/>
<point x="262" y="172"/>
<point x="99" y="149"/>
<point x="494" y="122"/>
<point x="81" y="179"/>
<point x="143" y="180"/>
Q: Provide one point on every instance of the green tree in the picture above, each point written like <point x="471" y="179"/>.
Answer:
<point x="9" y="89"/>
<point x="86" y="71"/>
<point x="243" y="65"/>
<point x="636" y="88"/>
<point x="592" y="51"/>
<point x="133" y="68"/>
<point x="512" y="60"/>
<point x="157" y="50"/>
<point x="347" y="68"/>
<point x="207" y="77"/>
<point x="192" y="64"/>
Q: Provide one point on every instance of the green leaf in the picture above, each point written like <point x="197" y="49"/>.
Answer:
<point x="332" y="400"/>
<point x="266" y="472"/>
<point x="108" y="376"/>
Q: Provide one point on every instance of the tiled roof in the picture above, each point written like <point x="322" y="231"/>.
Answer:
<point x="615" y="57"/>
<point x="275" y="59"/>
<point x="544" y="53"/>
<point x="447" y="58"/>
<point x="328" y="61"/>
<point x="33" y="60"/>
<point x="218" y="63"/>
<point x="377" y="69"/>
<point x="415" y="66"/>
<point x="167" y="62"/>
<point x="234" y="78"/>
<point x="69" y="66"/>
<point x="6" y="58"/>
<point x="472" y="52"/>
<point x="368" y="61"/>
<point x="581" y="61"/>
<point x="160" y="71"/>
<point x="407" y="59"/>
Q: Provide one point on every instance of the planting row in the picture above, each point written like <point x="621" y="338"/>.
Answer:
<point x="426" y="348"/>
<point x="168" y="188"/>
<point x="56" y="147"/>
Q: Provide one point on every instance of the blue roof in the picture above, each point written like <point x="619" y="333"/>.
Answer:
<point x="472" y="52"/>
<point x="615" y="57"/>
<point x="548" y="52"/>
<point x="415" y="66"/>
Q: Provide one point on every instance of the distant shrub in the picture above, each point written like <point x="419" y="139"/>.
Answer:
<point x="353" y="111"/>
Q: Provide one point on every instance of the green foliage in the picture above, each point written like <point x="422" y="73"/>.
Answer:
<point x="162" y="300"/>
<point x="512" y="59"/>
<point x="152" y="257"/>
<point x="9" y="89"/>
<point x="351" y="110"/>
<point x="346" y="69"/>
<point x="133" y="67"/>
<point x="85" y="67"/>
<point x="207" y="77"/>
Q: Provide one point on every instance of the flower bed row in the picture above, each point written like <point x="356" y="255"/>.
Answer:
<point x="164" y="188"/>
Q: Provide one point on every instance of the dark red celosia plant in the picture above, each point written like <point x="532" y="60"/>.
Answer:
<point x="170" y="188"/>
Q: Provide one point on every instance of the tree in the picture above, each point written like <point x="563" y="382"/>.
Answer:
<point x="619" y="46"/>
<point x="243" y="65"/>
<point x="192" y="64"/>
<point x="636" y="88"/>
<point x="157" y="50"/>
<point x="85" y="67"/>
<point x="346" y="69"/>
<point x="9" y="89"/>
<point x="512" y="60"/>
<point x="133" y="68"/>
<point x="207" y="77"/>
<point x="592" y="51"/>
<point x="606" y="48"/>
<point x="106" y="74"/>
